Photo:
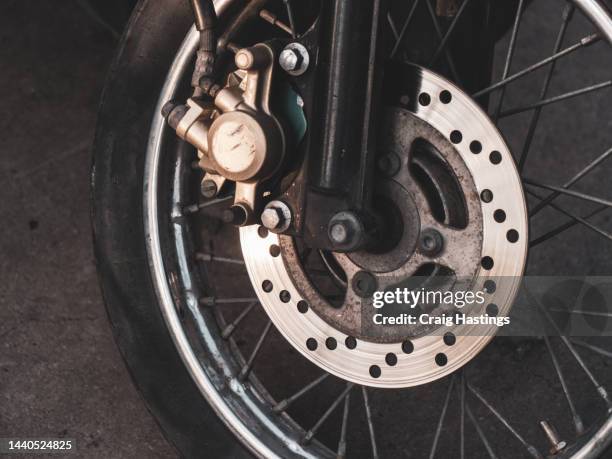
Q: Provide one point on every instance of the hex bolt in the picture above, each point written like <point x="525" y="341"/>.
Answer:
<point x="364" y="284"/>
<point x="276" y="216"/>
<point x="289" y="60"/>
<point x="339" y="233"/>
<point x="209" y="189"/>
<point x="389" y="164"/>
<point x="346" y="231"/>
<point x="553" y="437"/>
<point x="431" y="242"/>
<point x="294" y="59"/>
<point x="272" y="218"/>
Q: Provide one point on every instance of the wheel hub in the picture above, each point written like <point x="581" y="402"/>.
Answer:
<point x="435" y="169"/>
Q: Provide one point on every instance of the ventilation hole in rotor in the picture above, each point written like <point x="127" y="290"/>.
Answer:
<point x="486" y="196"/>
<point x="424" y="99"/>
<point x="275" y="250"/>
<point x="495" y="157"/>
<point x="350" y="342"/>
<point x="285" y="296"/>
<point x="375" y="371"/>
<point x="302" y="306"/>
<point x="490" y="286"/>
<point x="311" y="344"/>
<point x="492" y="310"/>
<point x="331" y="343"/>
<point x="475" y="147"/>
<point x="263" y="232"/>
<point x="512" y="236"/>
<point x="499" y="216"/>
<point x="487" y="263"/>
<point x="407" y="347"/>
<point x="267" y="286"/>
<point x="441" y="359"/>
<point x="445" y="97"/>
<point x="449" y="339"/>
<point x="456" y="137"/>
<point x="391" y="359"/>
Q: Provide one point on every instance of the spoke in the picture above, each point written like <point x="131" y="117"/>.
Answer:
<point x="564" y="227"/>
<point x="368" y="411"/>
<point x="193" y="208"/>
<point x="480" y="433"/>
<point x="509" y="56"/>
<point x="531" y="449"/>
<point x="568" y="13"/>
<point x="286" y="403"/>
<point x="573" y="217"/>
<point x="213" y="301"/>
<point x="271" y="18"/>
<point x="291" y="17"/>
<point x="313" y="431"/>
<point x="434" y="445"/>
<point x="212" y="258"/>
<point x="342" y="442"/>
<point x="578" y="424"/>
<point x="392" y="25"/>
<point x="595" y="349"/>
<point x="451" y="28"/>
<point x="586" y="41"/>
<point x="246" y="369"/>
<point x="575" y="194"/>
<point x="600" y="389"/>
<point x="559" y="98"/>
<point x="589" y="167"/>
<point x="398" y="42"/>
<point x="447" y="54"/>
<point x="230" y="328"/>
<point x="583" y="313"/>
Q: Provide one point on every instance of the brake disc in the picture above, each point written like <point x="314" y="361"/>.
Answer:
<point x="485" y="243"/>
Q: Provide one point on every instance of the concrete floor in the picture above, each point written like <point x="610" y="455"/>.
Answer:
<point x="60" y="372"/>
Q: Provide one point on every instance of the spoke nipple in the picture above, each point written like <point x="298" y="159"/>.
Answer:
<point x="208" y="301"/>
<point x="431" y="242"/>
<point x="280" y="406"/>
<point x="553" y="437"/>
<point x="228" y="331"/>
<point x="203" y="256"/>
<point x="192" y="209"/>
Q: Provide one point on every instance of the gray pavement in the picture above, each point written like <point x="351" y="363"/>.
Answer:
<point x="60" y="372"/>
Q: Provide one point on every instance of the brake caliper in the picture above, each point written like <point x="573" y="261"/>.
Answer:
<point x="237" y="139"/>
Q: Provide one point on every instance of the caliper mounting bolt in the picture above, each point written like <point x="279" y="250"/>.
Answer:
<point x="276" y="216"/>
<point x="294" y="59"/>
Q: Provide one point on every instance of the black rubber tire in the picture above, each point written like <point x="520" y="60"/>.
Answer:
<point x="149" y="44"/>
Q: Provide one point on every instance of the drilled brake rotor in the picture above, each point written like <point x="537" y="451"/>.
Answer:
<point x="445" y="155"/>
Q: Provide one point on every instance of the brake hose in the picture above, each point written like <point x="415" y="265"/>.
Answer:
<point x="205" y="22"/>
